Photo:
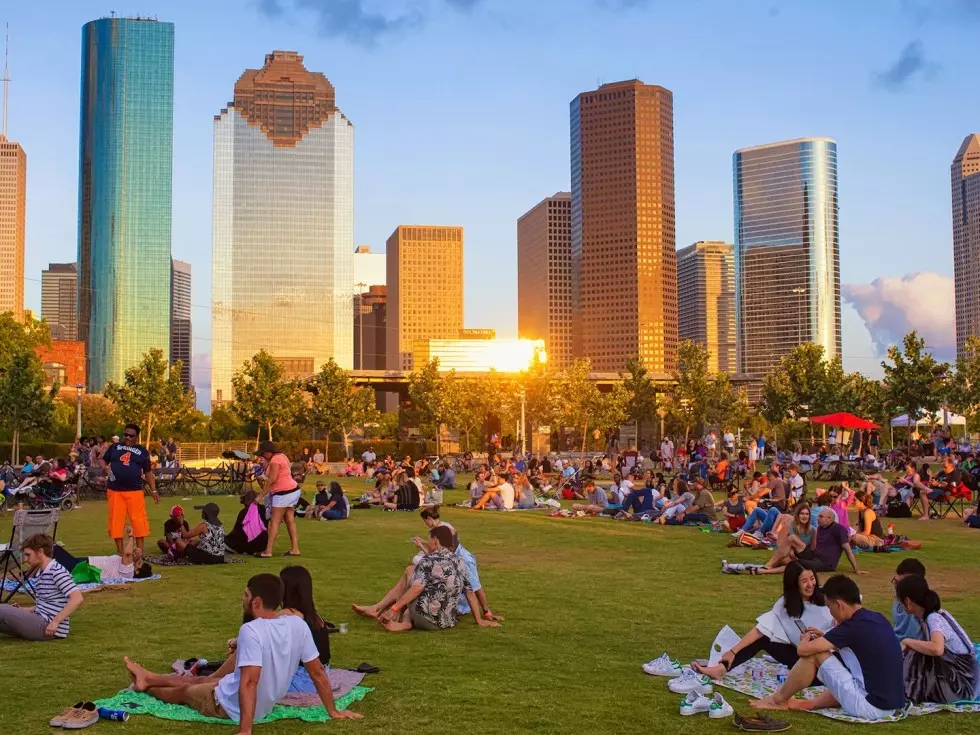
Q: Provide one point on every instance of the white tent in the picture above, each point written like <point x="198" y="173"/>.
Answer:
<point x="943" y="417"/>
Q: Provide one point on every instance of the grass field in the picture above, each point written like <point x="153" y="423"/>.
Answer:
<point x="586" y="601"/>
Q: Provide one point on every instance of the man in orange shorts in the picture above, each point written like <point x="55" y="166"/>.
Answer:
<point x="128" y="464"/>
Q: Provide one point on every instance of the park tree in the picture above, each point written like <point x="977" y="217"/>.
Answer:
<point x="641" y="394"/>
<point x="963" y="395"/>
<point x="915" y="382"/>
<point x="225" y="425"/>
<point x="428" y="393"/>
<point x="337" y="404"/>
<point x="264" y="395"/>
<point x="25" y="405"/>
<point x="468" y="401"/>
<point x="151" y="393"/>
<point x="576" y="401"/>
<point x="728" y="405"/>
<point x="691" y="395"/>
<point x="17" y="337"/>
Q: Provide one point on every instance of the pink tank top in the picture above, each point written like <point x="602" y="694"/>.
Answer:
<point x="284" y="481"/>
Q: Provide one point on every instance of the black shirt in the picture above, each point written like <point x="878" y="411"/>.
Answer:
<point x="871" y="637"/>
<point x="322" y="498"/>
<point x="172" y="528"/>
<point x="321" y="638"/>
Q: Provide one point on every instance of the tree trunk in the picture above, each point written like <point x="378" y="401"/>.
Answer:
<point x="269" y="428"/>
<point x="438" y="439"/>
<point x="258" y="434"/>
<point x="343" y="433"/>
<point x="585" y="430"/>
<point x="15" y="447"/>
<point x="687" y="432"/>
<point x="467" y="432"/>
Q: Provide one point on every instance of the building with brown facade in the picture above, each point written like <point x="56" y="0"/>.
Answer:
<point x="370" y="323"/>
<point x="283" y="229"/>
<point x="425" y="289"/>
<point x="63" y="363"/>
<point x="59" y="300"/>
<point x="624" y="264"/>
<point x="706" y="301"/>
<point x="13" y="209"/>
<point x="544" y="276"/>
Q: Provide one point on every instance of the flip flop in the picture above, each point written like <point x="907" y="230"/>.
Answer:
<point x="263" y="555"/>
<point x="366" y="668"/>
<point x="289" y="553"/>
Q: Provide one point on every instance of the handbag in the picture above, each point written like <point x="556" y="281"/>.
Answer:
<point x="942" y="679"/>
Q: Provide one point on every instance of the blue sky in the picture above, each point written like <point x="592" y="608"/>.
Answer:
<point x="460" y="110"/>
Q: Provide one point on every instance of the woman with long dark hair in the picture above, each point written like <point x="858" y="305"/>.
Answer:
<point x="297" y="599"/>
<point x="776" y="632"/>
<point x="943" y="667"/>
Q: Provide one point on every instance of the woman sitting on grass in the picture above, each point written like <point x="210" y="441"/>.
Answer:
<point x="336" y="507"/>
<point x="942" y="668"/>
<point x="800" y="536"/>
<point x="734" y="511"/>
<point x="205" y="543"/>
<point x="297" y="599"/>
<point x="778" y="631"/>
<point x="869" y="534"/>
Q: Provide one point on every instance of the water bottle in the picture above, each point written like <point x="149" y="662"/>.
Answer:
<point x="113" y="714"/>
<point x="197" y="666"/>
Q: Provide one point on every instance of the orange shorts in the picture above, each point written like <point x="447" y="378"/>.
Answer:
<point x="131" y="503"/>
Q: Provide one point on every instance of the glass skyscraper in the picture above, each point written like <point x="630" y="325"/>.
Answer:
<point x="283" y="227"/>
<point x="124" y="208"/>
<point x="787" y="262"/>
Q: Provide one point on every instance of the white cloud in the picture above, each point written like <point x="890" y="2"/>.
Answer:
<point x="892" y="307"/>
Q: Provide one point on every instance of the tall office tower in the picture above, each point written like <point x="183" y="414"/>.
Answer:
<point x="370" y="341"/>
<point x="787" y="264"/>
<point x="706" y="301"/>
<point x="124" y="198"/>
<point x="544" y="276"/>
<point x="283" y="233"/>
<point x="624" y="262"/>
<point x="370" y="269"/>
<point x="59" y="300"/>
<point x="13" y="208"/>
<point x="425" y="289"/>
<point x="965" y="184"/>
<point x="181" y="340"/>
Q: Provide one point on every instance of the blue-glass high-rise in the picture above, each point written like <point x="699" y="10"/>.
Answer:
<point x="124" y="199"/>
<point x="787" y="259"/>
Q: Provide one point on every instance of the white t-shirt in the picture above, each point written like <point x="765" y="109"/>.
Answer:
<point x="558" y="465"/>
<point x="506" y="492"/>
<point x="729" y="439"/>
<point x="112" y="567"/>
<point x="369" y="456"/>
<point x="712" y="441"/>
<point x="795" y="485"/>
<point x="278" y="646"/>
<point x="667" y="450"/>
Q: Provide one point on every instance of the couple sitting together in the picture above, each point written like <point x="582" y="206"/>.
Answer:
<point x="440" y="584"/>
<point x="828" y="638"/>
<point x="203" y="544"/>
<point x="277" y="651"/>
<point x="687" y="504"/>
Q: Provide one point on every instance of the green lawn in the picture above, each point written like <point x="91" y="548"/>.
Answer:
<point x="586" y="602"/>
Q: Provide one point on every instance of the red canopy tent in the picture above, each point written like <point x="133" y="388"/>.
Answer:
<point x="844" y="420"/>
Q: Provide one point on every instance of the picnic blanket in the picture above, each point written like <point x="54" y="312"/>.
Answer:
<point x="761" y="676"/>
<point x="140" y="703"/>
<point x="168" y="561"/>
<point x="9" y="584"/>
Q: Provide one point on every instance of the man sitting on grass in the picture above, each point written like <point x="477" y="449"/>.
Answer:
<point x="269" y="649"/>
<point x="859" y="661"/>
<point x="55" y="596"/>
<point x="596" y="500"/>
<point x="427" y="594"/>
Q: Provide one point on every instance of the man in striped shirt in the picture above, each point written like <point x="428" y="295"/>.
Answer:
<point x="56" y="596"/>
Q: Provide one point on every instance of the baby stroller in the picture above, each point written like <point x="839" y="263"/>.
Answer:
<point x="567" y="486"/>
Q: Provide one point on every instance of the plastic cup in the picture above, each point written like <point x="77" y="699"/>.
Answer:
<point x="343" y="628"/>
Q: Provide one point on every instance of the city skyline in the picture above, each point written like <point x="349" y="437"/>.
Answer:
<point x="965" y="190"/>
<point x="892" y="254"/>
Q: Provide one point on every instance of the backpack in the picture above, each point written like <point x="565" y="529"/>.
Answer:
<point x="898" y="509"/>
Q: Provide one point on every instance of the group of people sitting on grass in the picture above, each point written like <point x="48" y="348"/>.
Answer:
<point x="282" y="646"/>
<point x="868" y="666"/>
<point x="916" y="486"/>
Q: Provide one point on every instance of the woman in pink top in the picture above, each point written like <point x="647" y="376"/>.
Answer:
<point x="278" y="483"/>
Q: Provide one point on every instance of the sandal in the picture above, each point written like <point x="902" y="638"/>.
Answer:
<point x="366" y="668"/>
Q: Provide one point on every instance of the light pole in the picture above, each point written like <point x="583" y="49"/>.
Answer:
<point x="799" y="291"/>
<point x="662" y="413"/>
<point x="523" y="443"/>
<point x="78" y="410"/>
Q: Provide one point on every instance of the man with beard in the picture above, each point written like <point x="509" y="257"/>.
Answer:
<point x="248" y="685"/>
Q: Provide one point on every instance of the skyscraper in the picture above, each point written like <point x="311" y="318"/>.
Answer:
<point x="425" y="289"/>
<point x="283" y="232"/>
<point x="787" y="264"/>
<point x="59" y="300"/>
<point x="370" y="341"/>
<point x="544" y="276"/>
<point x="180" y="319"/>
<point x="13" y="208"/>
<point x="965" y="184"/>
<point x="124" y="198"/>
<point x="370" y="269"/>
<point x="706" y="301"/>
<point x="624" y="263"/>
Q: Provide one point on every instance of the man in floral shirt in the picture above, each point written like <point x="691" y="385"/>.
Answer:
<point x="427" y="600"/>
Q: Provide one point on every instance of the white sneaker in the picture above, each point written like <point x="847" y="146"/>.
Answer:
<point x="663" y="666"/>
<point x="719" y="708"/>
<point x="690" y="681"/>
<point x="693" y="703"/>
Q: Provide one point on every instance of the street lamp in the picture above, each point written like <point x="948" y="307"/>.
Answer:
<point x="662" y="413"/>
<point x="523" y="442"/>
<point x="78" y="410"/>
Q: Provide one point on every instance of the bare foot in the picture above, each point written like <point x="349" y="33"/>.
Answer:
<point x="804" y="705"/>
<point x="713" y="672"/>
<point x="769" y="702"/>
<point x="365" y="611"/>
<point x="137" y="673"/>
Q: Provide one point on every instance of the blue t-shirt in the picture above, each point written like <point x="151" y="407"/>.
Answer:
<point x="126" y="466"/>
<point x="906" y="625"/>
<point x="870" y="637"/>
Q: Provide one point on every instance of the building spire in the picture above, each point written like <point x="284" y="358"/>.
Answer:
<point x="5" y="80"/>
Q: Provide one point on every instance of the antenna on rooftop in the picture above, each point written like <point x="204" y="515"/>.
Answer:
<point x="6" y="79"/>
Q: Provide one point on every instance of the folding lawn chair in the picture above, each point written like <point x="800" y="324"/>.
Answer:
<point x="953" y="501"/>
<point x="26" y="523"/>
